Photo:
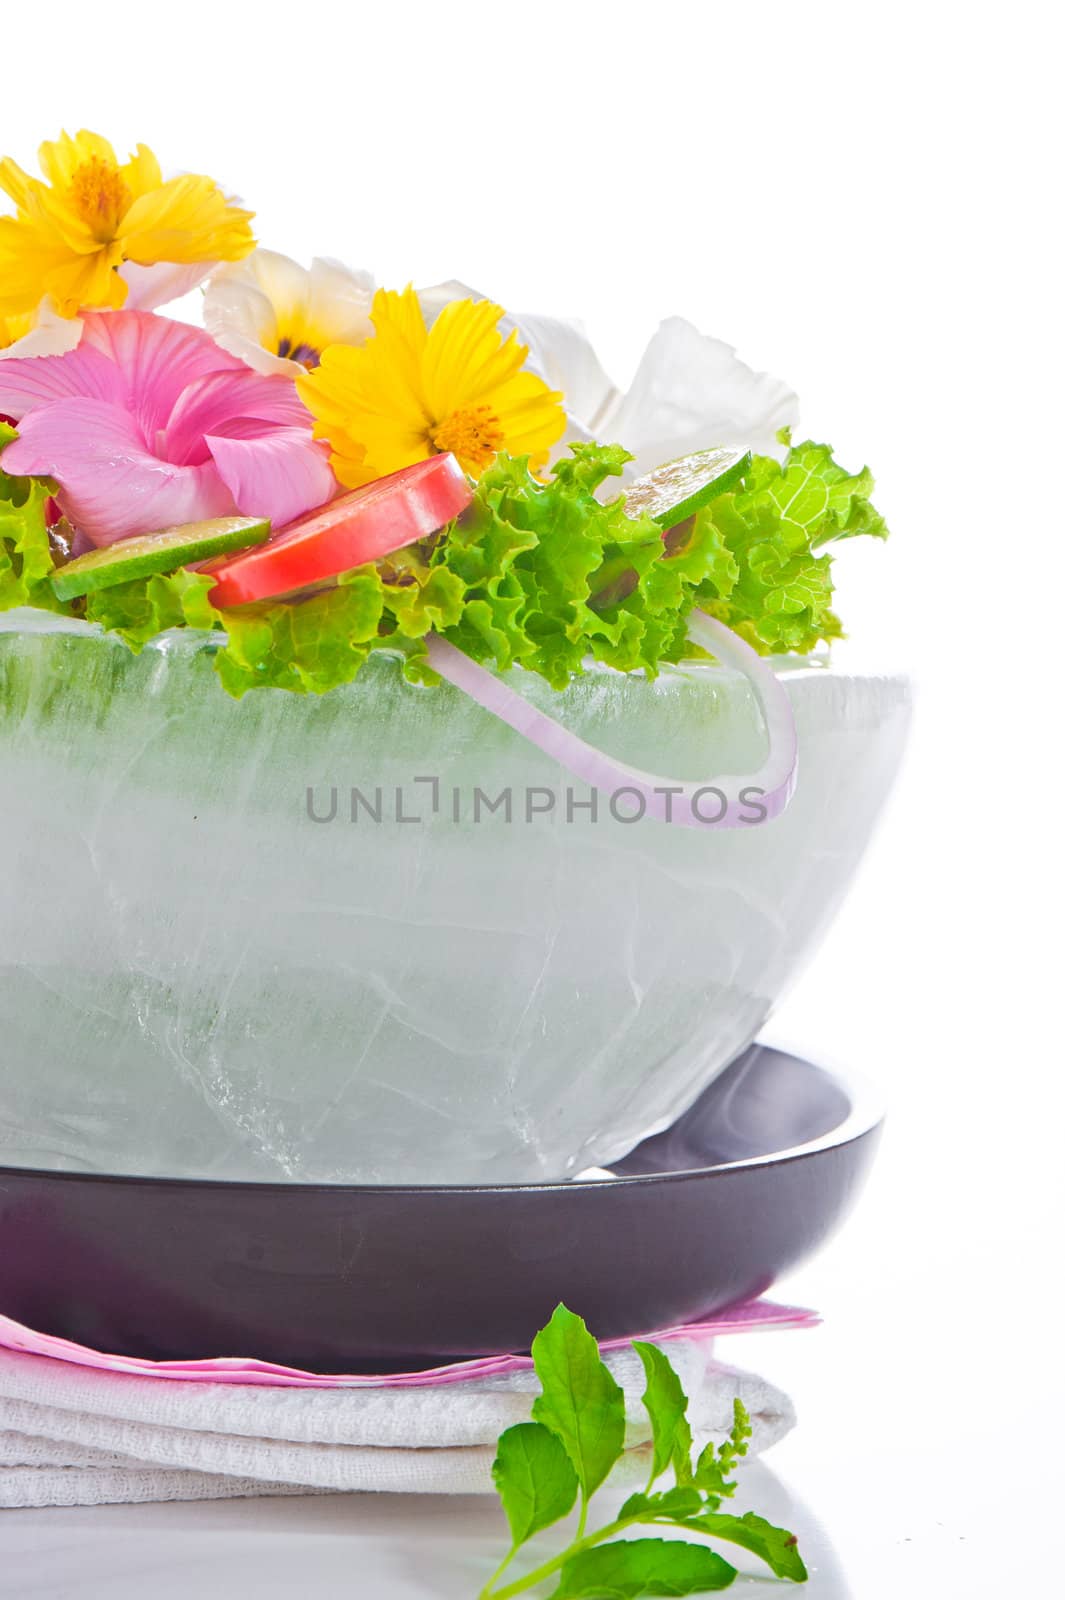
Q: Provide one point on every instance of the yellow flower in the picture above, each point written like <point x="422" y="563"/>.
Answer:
<point x="410" y="392"/>
<point x="71" y="234"/>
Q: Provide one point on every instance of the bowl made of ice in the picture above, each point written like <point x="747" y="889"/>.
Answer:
<point x="214" y="962"/>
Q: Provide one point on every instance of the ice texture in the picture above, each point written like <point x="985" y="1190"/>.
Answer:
<point x="197" y="979"/>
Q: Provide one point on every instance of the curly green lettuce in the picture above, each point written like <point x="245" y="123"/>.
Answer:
<point x="776" y="589"/>
<point x="536" y="574"/>
<point x="26" y="556"/>
<point x="541" y="574"/>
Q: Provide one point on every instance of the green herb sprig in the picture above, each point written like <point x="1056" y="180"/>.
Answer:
<point x="545" y="1467"/>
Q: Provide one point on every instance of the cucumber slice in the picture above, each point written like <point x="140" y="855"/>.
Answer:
<point x="674" y="491"/>
<point x="156" y="552"/>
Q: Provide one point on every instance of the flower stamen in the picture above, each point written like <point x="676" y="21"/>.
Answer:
<point x="473" y="434"/>
<point x="100" y="196"/>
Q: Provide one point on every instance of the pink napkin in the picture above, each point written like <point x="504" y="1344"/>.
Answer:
<point x="748" y="1318"/>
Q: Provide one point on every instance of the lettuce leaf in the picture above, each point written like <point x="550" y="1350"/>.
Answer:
<point x="25" y="552"/>
<point x="307" y="646"/>
<point x="554" y="575"/>
<point x="779" y="596"/>
<point x="140" y="610"/>
<point x="538" y="573"/>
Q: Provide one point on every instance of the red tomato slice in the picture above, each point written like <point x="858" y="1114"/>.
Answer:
<point x="362" y="526"/>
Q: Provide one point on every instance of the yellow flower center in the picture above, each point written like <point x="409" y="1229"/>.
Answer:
<point x="473" y="434"/>
<point x="100" y="196"/>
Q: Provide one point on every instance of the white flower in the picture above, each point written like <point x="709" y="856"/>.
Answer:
<point x="279" y="317"/>
<point x="690" y="391"/>
<point x="44" y="333"/>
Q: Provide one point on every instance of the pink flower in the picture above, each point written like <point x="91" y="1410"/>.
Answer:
<point x="148" y="423"/>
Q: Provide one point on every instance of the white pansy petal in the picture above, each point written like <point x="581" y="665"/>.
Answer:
<point x="53" y="335"/>
<point x="433" y="300"/>
<point x="239" y="316"/>
<point x="155" y="286"/>
<point x="283" y="281"/>
<point x="690" y="392"/>
<point x="339" y="301"/>
<point x="258" y="359"/>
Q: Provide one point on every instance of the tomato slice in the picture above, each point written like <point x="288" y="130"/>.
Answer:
<point x="363" y="526"/>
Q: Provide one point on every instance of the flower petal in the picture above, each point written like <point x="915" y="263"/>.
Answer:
<point x="151" y="287"/>
<point x="237" y="404"/>
<point x="691" y="391"/>
<point x="35" y="380"/>
<point x="268" y="298"/>
<point x="157" y="358"/>
<point x="279" y="476"/>
<point x="339" y="302"/>
<point x="110" y="486"/>
<point x="60" y="158"/>
<point x="240" y="316"/>
<point x="51" y="335"/>
<point x="560" y="352"/>
<point x="186" y="219"/>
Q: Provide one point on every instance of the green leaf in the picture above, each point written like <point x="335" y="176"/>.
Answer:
<point x="140" y="610"/>
<point x="581" y="1403"/>
<point x="26" y="558"/>
<point x="778" y="1548"/>
<point x="534" y="1478"/>
<point x="629" y="1568"/>
<point x="671" y="1505"/>
<point x="537" y="573"/>
<point x="777" y="593"/>
<point x="667" y="1406"/>
<point x="309" y="647"/>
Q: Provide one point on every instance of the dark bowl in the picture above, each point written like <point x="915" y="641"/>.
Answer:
<point x="743" y="1187"/>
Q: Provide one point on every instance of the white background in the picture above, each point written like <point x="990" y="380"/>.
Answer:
<point x="865" y="199"/>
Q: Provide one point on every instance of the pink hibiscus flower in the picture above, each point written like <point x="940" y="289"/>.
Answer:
<point x="149" y="423"/>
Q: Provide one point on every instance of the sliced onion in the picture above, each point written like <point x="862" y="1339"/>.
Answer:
<point x="725" y="801"/>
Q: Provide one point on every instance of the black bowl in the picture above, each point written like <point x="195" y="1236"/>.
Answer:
<point x="339" y="1278"/>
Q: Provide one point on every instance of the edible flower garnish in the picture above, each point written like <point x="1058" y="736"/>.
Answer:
<point x="279" y="317"/>
<point x="411" y="392"/>
<point x="40" y="333"/>
<point x="148" y="424"/>
<point x="688" y="388"/>
<point x="72" y="235"/>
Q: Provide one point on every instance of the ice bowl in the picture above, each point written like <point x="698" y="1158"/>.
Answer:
<point x="302" y="940"/>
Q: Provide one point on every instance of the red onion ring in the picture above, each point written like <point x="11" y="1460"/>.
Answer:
<point x="727" y="801"/>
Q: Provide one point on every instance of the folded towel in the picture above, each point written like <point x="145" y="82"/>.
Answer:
<point x="77" y="1435"/>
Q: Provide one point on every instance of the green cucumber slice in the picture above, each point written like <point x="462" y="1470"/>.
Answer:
<point x="156" y="552"/>
<point x="679" y="488"/>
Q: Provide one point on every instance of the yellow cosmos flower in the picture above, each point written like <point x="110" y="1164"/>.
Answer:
<point x="411" y="391"/>
<point x="72" y="233"/>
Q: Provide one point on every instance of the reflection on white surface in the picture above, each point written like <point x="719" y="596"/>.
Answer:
<point x="381" y="1547"/>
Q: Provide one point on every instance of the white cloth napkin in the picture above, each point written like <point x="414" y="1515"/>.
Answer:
<point x="72" y="1435"/>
